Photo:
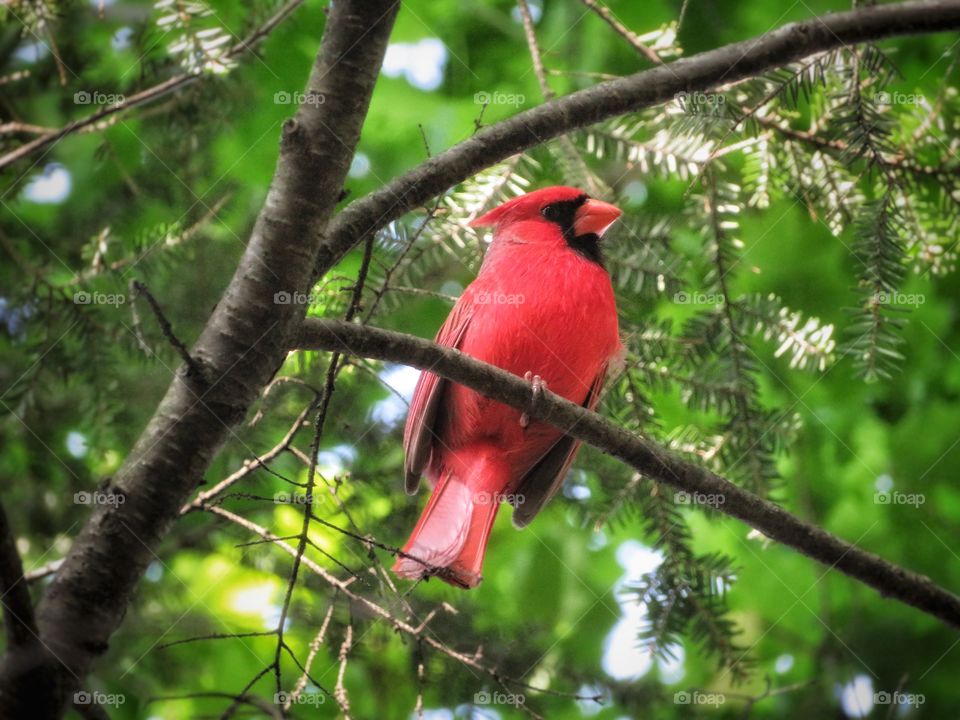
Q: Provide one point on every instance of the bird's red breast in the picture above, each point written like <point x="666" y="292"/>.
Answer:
<point x="542" y="305"/>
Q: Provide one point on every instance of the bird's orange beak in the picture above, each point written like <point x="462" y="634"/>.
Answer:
<point x="594" y="217"/>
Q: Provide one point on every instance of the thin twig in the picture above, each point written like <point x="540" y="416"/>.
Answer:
<point x="623" y="31"/>
<point x="145" y="97"/>
<point x="167" y="329"/>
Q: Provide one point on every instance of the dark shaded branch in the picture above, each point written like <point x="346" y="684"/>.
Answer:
<point x="167" y="329"/>
<point x="24" y="652"/>
<point x="248" y="335"/>
<point x="628" y="94"/>
<point x="644" y="456"/>
<point x="14" y="594"/>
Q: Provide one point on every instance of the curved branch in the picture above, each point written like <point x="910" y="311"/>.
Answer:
<point x="644" y="456"/>
<point x="700" y="72"/>
<point x="241" y="347"/>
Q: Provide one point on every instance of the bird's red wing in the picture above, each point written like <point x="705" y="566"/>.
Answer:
<point x="544" y="479"/>
<point x="418" y="434"/>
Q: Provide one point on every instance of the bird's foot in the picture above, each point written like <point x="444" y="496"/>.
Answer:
<point x="538" y="385"/>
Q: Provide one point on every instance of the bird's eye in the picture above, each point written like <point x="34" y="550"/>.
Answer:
<point x="551" y="212"/>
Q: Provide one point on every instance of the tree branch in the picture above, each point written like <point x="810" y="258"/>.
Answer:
<point x="14" y="594"/>
<point x="247" y="336"/>
<point x="243" y="344"/>
<point x="623" y="31"/>
<point x="701" y="72"/>
<point x="24" y="649"/>
<point x="105" y="117"/>
<point x="644" y="456"/>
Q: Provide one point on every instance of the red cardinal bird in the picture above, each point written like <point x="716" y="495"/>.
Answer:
<point x="542" y="308"/>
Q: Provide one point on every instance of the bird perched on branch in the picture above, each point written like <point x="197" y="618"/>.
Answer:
<point x="541" y="308"/>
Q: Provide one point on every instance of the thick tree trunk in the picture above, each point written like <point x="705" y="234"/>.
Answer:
<point x="243" y="344"/>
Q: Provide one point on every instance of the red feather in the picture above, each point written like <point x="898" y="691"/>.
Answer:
<point x="542" y="304"/>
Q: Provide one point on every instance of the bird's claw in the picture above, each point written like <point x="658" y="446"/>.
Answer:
<point x="538" y="385"/>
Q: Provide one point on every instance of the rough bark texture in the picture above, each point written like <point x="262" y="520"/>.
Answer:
<point x="609" y="99"/>
<point x="248" y="334"/>
<point x="647" y="458"/>
<point x="241" y="347"/>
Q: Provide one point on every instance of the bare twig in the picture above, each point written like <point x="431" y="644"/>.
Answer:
<point x="102" y="117"/>
<point x="345" y="587"/>
<point x="340" y="691"/>
<point x="167" y="329"/>
<point x="623" y="31"/>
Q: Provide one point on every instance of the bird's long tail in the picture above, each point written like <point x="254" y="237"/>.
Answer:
<point x="450" y="539"/>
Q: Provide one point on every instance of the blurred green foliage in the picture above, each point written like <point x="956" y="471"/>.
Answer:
<point x="167" y="195"/>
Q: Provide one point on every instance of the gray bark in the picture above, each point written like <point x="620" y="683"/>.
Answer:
<point x="647" y="458"/>
<point x="294" y="241"/>
<point x="241" y="347"/>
